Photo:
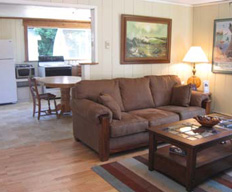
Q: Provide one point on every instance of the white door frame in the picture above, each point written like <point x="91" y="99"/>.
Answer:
<point x="86" y="68"/>
<point x="47" y="4"/>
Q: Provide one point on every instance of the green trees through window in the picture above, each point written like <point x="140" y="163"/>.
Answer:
<point x="46" y="44"/>
<point x="67" y="42"/>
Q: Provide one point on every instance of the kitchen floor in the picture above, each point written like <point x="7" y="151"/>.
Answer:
<point x="19" y="128"/>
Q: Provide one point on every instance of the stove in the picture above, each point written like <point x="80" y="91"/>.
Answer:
<point x="52" y="61"/>
<point x="51" y="58"/>
<point x="53" y="66"/>
<point x="23" y="66"/>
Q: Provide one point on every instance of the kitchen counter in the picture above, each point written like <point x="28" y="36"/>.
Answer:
<point x="22" y="83"/>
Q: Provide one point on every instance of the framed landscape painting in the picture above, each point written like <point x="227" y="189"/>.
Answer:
<point x="222" y="48"/>
<point x="145" y="39"/>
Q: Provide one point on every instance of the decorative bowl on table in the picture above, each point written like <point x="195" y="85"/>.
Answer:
<point x="207" y="121"/>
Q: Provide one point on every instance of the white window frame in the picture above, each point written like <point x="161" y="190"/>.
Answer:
<point x="46" y="23"/>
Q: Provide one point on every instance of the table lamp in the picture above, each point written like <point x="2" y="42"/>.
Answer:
<point x="195" y="55"/>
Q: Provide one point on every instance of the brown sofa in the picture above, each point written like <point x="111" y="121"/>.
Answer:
<point x="144" y="102"/>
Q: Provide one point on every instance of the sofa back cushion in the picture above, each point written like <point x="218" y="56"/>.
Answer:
<point x="136" y="93"/>
<point x="161" y="88"/>
<point x="91" y="89"/>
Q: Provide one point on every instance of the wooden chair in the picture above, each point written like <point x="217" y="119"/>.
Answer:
<point x="38" y="97"/>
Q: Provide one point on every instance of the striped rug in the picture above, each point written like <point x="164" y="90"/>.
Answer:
<point x="132" y="174"/>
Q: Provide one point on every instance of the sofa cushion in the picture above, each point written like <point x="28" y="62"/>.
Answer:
<point x="91" y="89"/>
<point x="129" y="141"/>
<point x="129" y="124"/>
<point x="156" y="117"/>
<point x="110" y="102"/>
<point x="181" y="95"/>
<point x="136" y="93"/>
<point x="161" y="88"/>
<point x="184" y="112"/>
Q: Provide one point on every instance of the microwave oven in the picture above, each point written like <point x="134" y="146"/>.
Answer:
<point x="24" y="71"/>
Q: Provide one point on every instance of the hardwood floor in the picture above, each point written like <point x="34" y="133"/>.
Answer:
<point x="52" y="164"/>
<point x="59" y="166"/>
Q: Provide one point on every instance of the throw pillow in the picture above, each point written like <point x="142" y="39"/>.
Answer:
<point x="197" y="98"/>
<point x="110" y="102"/>
<point x="181" y="95"/>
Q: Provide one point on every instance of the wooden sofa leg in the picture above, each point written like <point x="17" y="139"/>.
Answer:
<point x="207" y="106"/>
<point x="104" y="157"/>
<point x="76" y="139"/>
<point x="104" y="143"/>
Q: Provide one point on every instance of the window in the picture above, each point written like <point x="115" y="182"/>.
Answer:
<point x="57" y="38"/>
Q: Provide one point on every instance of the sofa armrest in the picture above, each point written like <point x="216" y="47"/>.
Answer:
<point x="104" y="138"/>
<point x="197" y="98"/>
<point x="90" y="110"/>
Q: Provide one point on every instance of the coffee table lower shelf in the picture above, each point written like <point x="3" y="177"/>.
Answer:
<point x="209" y="162"/>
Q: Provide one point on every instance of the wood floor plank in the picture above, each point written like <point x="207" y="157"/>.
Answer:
<point x="62" y="166"/>
<point x="37" y="163"/>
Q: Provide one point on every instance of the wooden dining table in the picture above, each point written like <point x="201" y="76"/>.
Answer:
<point x="65" y="83"/>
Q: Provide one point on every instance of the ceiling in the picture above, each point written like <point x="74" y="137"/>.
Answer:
<point x="191" y="2"/>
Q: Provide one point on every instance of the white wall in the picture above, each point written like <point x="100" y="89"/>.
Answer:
<point x="109" y="30"/>
<point x="220" y="84"/>
<point x="109" y="12"/>
<point x="13" y="29"/>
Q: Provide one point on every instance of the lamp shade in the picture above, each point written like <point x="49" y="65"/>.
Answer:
<point x="195" y="55"/>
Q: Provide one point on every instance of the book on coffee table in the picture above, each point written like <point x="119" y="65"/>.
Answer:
<point x="176" y="150"/>
<point x="226" y="123"/>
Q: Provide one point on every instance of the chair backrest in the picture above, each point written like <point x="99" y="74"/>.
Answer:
<point x="33" y="87"/>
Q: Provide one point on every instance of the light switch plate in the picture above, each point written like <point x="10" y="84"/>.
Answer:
<point x="107" y="45"/>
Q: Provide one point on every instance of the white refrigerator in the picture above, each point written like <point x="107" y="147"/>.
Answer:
<point x="8" y="87"/>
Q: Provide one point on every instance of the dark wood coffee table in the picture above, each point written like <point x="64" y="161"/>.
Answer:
<point x="205" y="156"/>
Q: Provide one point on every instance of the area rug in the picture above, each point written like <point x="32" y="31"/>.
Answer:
<point x="132" y="174"/>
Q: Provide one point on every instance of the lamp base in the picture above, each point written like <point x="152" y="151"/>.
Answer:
<point x="195" y="81"/>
